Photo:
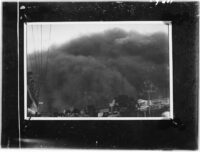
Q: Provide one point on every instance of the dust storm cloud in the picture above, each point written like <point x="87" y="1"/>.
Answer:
<point x="95" y="68"/>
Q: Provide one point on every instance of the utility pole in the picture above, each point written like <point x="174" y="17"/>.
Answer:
<point x="149" y="89"/>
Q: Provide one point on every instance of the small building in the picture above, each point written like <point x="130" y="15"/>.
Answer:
<point x="103" y="112"/>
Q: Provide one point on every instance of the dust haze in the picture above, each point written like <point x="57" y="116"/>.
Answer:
<point x="95" y="68"/>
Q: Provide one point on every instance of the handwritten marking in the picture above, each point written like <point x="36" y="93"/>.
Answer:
<point x="162" y="1"/>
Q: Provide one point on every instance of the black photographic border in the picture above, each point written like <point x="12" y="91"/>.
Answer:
<point x="179" y="133"/>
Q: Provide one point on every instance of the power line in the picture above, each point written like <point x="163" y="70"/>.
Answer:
<point x="47" y="54"/>
<point x="34" y="53"/>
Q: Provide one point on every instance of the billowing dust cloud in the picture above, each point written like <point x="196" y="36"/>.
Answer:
<point x="93" y="69"/>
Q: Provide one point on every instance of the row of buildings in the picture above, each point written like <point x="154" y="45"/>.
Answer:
<point x="120" y="106"/>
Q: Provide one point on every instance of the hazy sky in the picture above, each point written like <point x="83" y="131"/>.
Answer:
<point x="42" y="35"/>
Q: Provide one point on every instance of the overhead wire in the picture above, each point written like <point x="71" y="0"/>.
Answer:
<point x="48" y="50"/>
<point x="40" y="60"/>
<point x="35" y="64"/>
<point x="41" y="51"/>
<point x="40" y="65"/>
